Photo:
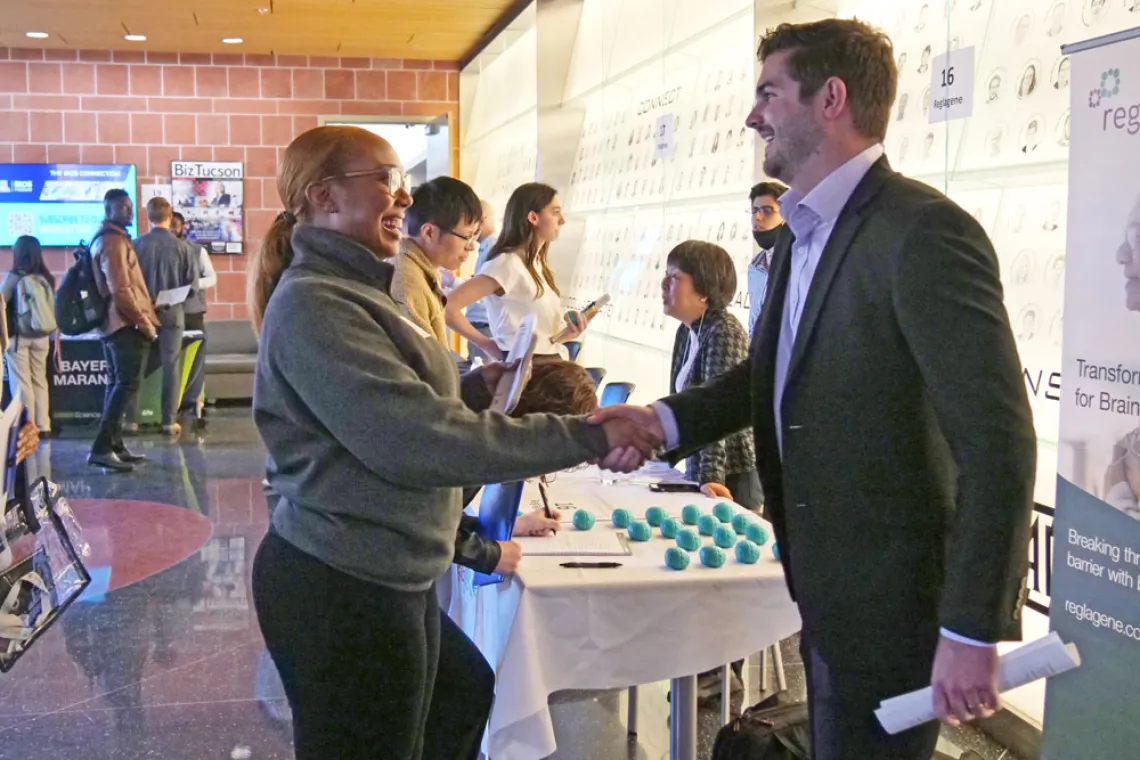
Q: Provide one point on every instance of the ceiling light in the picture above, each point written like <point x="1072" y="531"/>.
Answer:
<point x="232" y="40"/>
<point x="36" y="35"/>
<point x="134" y="37"/>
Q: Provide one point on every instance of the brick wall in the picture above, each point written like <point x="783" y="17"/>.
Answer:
<point x="148" y="109"/>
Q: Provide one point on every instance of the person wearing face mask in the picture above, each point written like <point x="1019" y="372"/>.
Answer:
<point x="371" y="435"/>
<point x="766" y="227"/>
<point x="516" y="280"/>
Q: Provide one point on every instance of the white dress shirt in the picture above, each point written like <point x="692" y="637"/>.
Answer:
<point x="812" y="219"/>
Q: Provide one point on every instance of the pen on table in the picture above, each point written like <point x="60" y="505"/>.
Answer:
<point x="592" y="565"/>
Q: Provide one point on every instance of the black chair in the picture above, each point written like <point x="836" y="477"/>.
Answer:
<point x="616" y="393"/>
<point x="597" y="374"/>
<point x="573" y="348"/>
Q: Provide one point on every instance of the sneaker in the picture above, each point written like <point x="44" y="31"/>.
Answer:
<point x="131" y="429"/>
<point x="172" y="431"/>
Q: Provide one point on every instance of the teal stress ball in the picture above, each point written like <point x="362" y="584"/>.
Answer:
<point x="583" y="520"/>
<point x="740" y="522"/>
<point x="712" y="556"/>
<point x="688" y="539"/>
<point x="747" y="553"/>
<point x="756" y="533"/>
<point x="691" y="514"/>
<point x="655" y="516"/>
<point x="724" y="536"/>
<point x="676" y="558"/>
<point x="707" y="525"/>
<point x="670" y="527"/>
<point x="776" y="551"/>
<point x="621" y="518"/>
<point x="640" y="531"/>
<point x="724" y="512"/>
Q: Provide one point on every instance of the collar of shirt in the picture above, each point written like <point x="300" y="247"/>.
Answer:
<point x="826" y="200"/>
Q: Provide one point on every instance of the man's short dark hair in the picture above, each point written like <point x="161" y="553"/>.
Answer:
<point x="114" y="194"/>
<point x="773" y="189"/>
<point x="847" y="49"/>
<point x="445" y="202"/>
<point x="710" y="266"/>
<point x="178" y="216"/>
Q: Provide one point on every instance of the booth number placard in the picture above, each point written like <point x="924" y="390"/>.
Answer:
<point x="952" y="86"/>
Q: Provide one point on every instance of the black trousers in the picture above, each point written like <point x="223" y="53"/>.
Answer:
<point x="198" y="368"/>
<point x="842" y="700"/>
<point x="369" y="672"/>
<point x="125" y="352"/>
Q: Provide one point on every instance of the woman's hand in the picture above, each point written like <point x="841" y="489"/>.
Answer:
<point x="28" y="441"/>
<point x="536" y="523"/>
<point x="492" y="373"/>
<point x="716" y="491"/>
<point x="576" y="324"/>
<point x="509" y="557"/>
<point x="490" y="348"/>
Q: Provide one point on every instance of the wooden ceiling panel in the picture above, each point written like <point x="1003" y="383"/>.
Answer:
<point x="440" y="29"/>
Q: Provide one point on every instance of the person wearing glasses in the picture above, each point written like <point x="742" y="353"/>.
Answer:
<point x="371" y="435"/>
<point x="442" y="225"/>
<point x="766" y="226"/>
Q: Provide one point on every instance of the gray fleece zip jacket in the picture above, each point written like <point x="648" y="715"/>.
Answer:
<point x="369" y="440"/>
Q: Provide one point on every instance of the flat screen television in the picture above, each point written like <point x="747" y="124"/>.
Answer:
<point x="60" y="204"/>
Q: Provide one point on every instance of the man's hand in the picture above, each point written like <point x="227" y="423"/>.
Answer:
<point x="634" y="434"/>
<point x="716" y="491"/>
<point x="964" y="680"/>
<point x="536" y="523"/>
<point x="509" y="558"/>
<point x="492" y="373"/>
<point x="27" y="442"/>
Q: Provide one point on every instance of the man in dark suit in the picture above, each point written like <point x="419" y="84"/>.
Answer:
<point x="893" y="432"/>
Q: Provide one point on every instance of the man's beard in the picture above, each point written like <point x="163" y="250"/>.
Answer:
<point x="784" y="156"/>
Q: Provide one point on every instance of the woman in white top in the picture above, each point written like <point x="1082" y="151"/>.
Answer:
<point x="516" y="280"/>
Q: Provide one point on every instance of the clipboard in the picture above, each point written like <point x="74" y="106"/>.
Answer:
<point x="512" y="383"/>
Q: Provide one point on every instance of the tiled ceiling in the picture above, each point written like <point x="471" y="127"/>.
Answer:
<point x="423" y="29"/>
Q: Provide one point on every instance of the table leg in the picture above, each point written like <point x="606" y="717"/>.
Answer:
<point x="764" y="671"/>
<point x="778" y="661"/>
<point x="725" y="694"/>
<point x="631" y="714"/>
<point x="683" y="719"/>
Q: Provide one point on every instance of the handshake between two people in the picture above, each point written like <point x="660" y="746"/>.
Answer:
<point x="634" y="435"/>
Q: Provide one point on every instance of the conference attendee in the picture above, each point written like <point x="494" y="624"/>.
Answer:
<point x="766" y="227"/>
<point x="477" y="312"/>
<point x="369" y="444"/>
<point x="128" y="330"/>
<point x="27" y="289"/>
<point x="516" y="280"/>
<point x="195" y="308"/>
<point x="892" y="426"/>
<point x="167" y="263"/>
<point x="699" y="284"/>
<point x="442" y="231"/>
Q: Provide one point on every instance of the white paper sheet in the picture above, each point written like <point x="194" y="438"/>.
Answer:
<point x="1040" y="659"/>
<point x="575" y="543"/>
<point x="172" y="297"/>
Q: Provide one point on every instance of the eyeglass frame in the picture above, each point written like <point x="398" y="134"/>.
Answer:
<point x="473" y="240"/>
<point x="405" y="183"/>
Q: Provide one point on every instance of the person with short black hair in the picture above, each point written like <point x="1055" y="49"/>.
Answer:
<point x="766" y="227"/>
<point x="699" y="284"/>
<point x="128" y="329"/>
<point x="442" y="227"/>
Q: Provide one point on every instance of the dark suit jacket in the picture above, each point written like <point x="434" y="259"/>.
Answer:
<point x="903" y="498"/>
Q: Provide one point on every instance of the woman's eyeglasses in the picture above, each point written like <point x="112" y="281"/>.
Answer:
<point x="394" y="178"/>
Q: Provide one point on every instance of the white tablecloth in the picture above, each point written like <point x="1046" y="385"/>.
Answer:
<point x="550" y="628"/>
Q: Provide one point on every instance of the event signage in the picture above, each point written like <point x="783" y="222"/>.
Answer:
<point x="209" y="195"/>
<point x="1091" y="712"/>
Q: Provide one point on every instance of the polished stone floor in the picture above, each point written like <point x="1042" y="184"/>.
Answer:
<point x="162" y="658"/>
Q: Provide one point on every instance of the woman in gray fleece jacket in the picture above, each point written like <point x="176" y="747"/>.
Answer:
<point x="371" y="435"/>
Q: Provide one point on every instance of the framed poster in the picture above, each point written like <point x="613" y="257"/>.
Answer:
<point x="209" y="195"/>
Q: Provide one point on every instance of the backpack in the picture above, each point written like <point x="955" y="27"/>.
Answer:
<point x="35" y="313"/>
<point x="79" y="306"/>
<point x="766" y="732"/>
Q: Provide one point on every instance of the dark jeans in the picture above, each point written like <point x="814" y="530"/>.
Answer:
<point x="125" y="352"/>
<point x="746" y="490"/>
<point x="359" y="663"/>
<point x="197" y="370"/>
<point x="842" y="701"/>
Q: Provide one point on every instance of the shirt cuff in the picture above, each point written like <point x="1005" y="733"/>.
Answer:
<point x="963" y="640"/>
<point x="668" y="423"/>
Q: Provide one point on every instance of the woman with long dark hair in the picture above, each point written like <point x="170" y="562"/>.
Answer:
<point x="516" y="280"/>
<point x="371" y="435"/>
<point x="29" y="293"/>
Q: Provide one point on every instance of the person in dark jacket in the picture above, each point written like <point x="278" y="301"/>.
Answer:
<point x="371" y="435"/>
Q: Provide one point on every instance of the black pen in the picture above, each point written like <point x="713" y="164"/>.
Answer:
<point x="545" y="501"/>
<point x="592" y="565"/>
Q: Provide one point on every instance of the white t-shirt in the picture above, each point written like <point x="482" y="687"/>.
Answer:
<point x="505" y="312"/>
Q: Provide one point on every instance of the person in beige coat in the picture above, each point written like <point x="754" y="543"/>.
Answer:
<point x="443" y="225"/>
<point x="129" y="329"/>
